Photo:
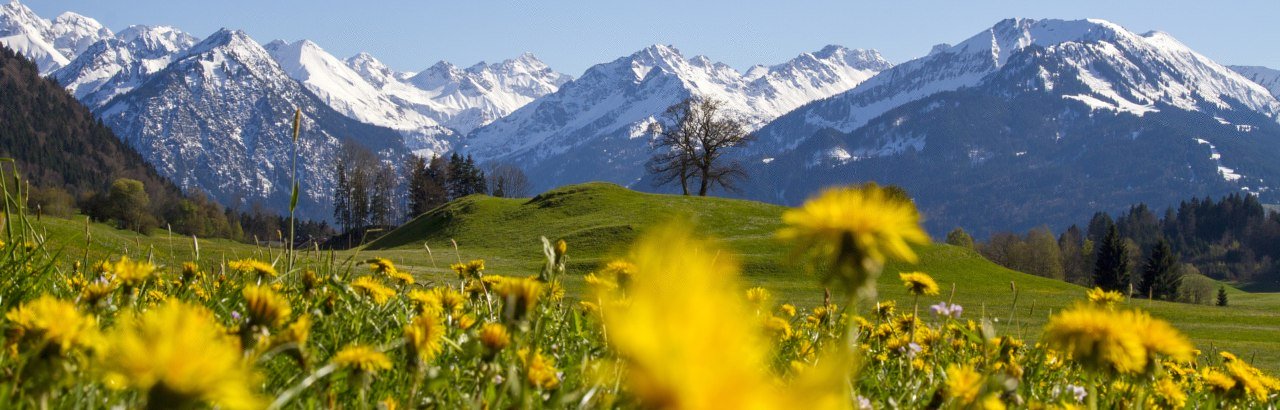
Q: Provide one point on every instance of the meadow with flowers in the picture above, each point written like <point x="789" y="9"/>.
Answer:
<point x="673" y="303"/>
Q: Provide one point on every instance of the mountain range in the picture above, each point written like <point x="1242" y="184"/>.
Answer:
<point x="1034" y="122"/>
<point x="1027" y="122"/>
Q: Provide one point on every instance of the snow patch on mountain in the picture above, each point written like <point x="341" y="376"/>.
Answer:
<point x="218" y="119"/>
<point x="349" y="93"/>
<point x="617" y="99"/>
<point x="74" y="33"/>
<point x="1118" y="69"/>
<point x="1227" y="174"/>
<point x="1266" y="77"/>
<point x="30" y="35"/>
<point x="114" y="66"/>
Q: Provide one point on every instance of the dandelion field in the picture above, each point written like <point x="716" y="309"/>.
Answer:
<point x="637" y="311"/>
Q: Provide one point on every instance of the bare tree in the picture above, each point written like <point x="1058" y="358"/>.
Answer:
<point x="508" y="181"/>
<point x="674" y="146"/>
<point x="696" y="144"/>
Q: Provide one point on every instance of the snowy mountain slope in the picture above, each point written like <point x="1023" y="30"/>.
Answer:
<point x="1266" y="77"/>
<point x="462" y="99"/>
<point x="74" y="33"/>
<point x="349" y="93"/>
<point x="1124" y="71"/>
<point x="1035" y="122"/>
<point x="593" y="128"/>
<point x="218" y="119"/>
<point x="114" y="66"/>
<point x="30" y="35"/>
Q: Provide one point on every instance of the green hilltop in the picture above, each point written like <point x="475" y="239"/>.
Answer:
<point x="599" y="220"/>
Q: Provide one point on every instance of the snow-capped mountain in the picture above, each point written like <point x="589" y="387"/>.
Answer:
<point x="1122" y="71"/>
<point x="431" y="108"/>
<point x="50" y="44"/>
<point x="28" y="34"/>
<point x="114" y="66"/>
<point x="594" y="127"/>
<point x="1266" y="77"/>
<point x="347" y="92"/>
<point x="218" y="118"/>
<point x="463" y="99"/>
<point x="73" y="33"/>
<point x="1033" y="122"/>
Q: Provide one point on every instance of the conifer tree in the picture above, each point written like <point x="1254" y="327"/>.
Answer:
<point x="1111" y="269"/>
<point x="1160" y="275"/>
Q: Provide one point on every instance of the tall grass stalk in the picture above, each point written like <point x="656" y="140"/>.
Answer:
<point x="293" y="197"/>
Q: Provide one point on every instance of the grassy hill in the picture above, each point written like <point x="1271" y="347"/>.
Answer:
<point x="600" y="220"/>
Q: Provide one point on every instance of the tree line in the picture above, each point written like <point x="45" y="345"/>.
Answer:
<point x="371" y="193"/>
<point x="1161" y="257"/>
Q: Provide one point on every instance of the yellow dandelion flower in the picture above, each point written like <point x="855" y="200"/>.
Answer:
<point x="97" y="291"/>
<point x="50" y="320"/>
<point x="992" y="402"/>
<point x="1104" y="298"/>
<point x="471" y="269"/>
<point x="153" y="352"/>
<point x="758" y="296"/>
<point x="1161" y="338"/>
<point x="298" y="332"/>
<point x="369" y="287"/>
<point x="425" y="301"/>
<point x="553" y="291"/>
<point x="561" y="248"/>
<point x="539" y="369"/>
<point x="191" y="272"/>
<point x="919" y="283"/>
<point x="132" y="273"/>
<point x="494" y="337"/>
<point x="254" y="266"/>
<point x="310" y="280"/>
<point x="884" y="310"/>
<point x="466" y="321"/>
<point x="1100" y="339"/>
<point x="1217" y="381"/>
<point x="1249" y="378"/>
<point x="362" y="358"/>
<point x="423" y="336"/>
<point x="599" y="284"/>
<point x="778" y="327"/>
<point x="1170" y="394"/>
<point x="714" y="360"/>
<point x="519" y="295"/>
<point x="402" y="278"/>
<point x="380" y="265"/>
<point x="265" y="307"/>
<point x="788" y="309"/>
<point x="450" y="299"/>
<point x="858" y="228"/>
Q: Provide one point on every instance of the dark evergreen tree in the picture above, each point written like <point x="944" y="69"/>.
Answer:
<point x="1161" y="277"/>
<point x="342" y="195"/>
<point x="1222" y="295"/>
<point x="1111" y="269"/>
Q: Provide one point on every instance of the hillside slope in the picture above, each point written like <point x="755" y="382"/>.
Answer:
<point x="56" y="141"/>
<point x="598" y="220"/>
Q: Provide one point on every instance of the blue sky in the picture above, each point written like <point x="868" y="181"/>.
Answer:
<point x="570" y="36"/>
